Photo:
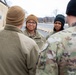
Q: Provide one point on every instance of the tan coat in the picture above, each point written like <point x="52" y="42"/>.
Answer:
<point x="18" y="53"/>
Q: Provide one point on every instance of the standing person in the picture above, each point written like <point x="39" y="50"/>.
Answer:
<point x="59" y="22"/>
<point x="59" y="56"/>
<point x="18" y="53"/>
<point x="31" y="30"/>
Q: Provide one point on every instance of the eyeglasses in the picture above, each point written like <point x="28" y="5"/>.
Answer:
<point x="31" y="22"/>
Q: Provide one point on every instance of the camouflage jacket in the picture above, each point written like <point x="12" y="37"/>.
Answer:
<point x="59" y="56"/>
<point x="38" y="38"/>
<point x="51" y="33"/>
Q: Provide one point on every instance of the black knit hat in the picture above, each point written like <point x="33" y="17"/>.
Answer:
<point x="71" y="8"/>
<point x="60" y="18"/>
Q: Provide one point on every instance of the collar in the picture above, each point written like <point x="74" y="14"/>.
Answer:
<point x="36" y="36"/>
<point x="12" y="28"/>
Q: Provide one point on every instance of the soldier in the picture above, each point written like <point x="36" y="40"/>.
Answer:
<point x="31" y="30"/>
<point x="59" y="55"/>
<point x="59" y="23"/>
<point x="18" y="53"/>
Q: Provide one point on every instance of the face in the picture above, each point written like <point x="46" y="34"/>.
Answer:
<point x="57" y="25"/>
<point x="31" y="25"/>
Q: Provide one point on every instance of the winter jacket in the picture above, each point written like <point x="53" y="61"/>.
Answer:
<point x="51" y="33"/>
<point x="59" y="55"/>
<point x="38" y="38"/>
<point x="18" y="53"/>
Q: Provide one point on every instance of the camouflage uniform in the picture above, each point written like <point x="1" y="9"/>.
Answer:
<point x="59" y="55"/>
<point x="38" y="38"/>
<point x="51" y="33"/>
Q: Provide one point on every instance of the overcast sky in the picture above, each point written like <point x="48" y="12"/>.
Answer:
<point x="42" y="8"/>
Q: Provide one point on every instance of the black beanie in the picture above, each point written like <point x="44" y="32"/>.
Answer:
<point x="71" y="8"/>
<point x="60" y="18"/>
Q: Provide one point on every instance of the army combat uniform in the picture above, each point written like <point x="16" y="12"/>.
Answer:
<point x="38" y="38"/>
<point x="59" y="55"/>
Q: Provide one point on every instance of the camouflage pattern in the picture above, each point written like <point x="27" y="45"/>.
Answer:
<point x="38" y="38"/>
<point x="59" y="56"/>
<point x="51" y="33"/>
